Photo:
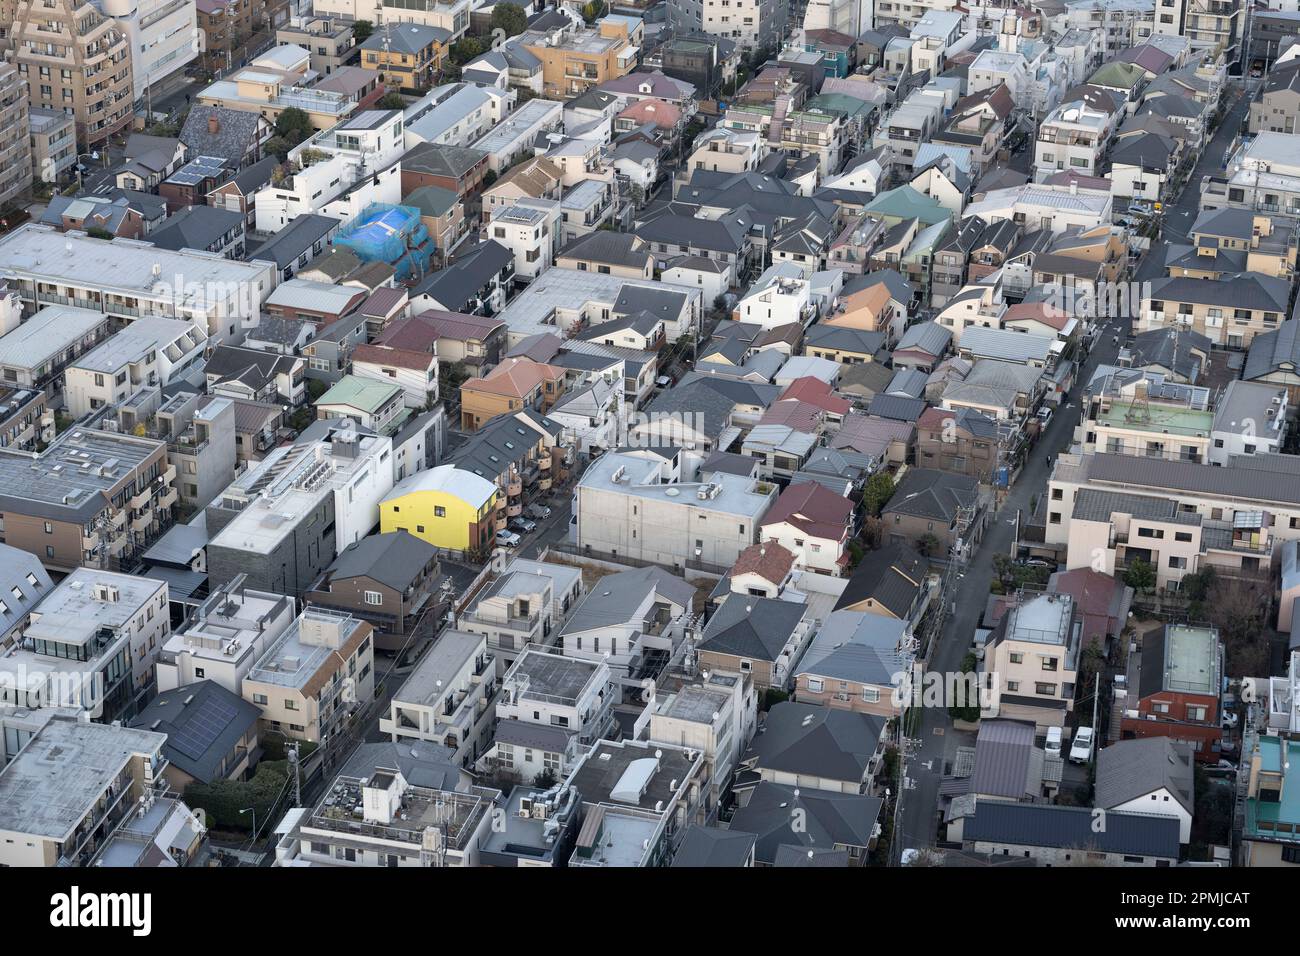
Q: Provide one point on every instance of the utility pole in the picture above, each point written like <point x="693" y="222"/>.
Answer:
<point x="292" y="752"/>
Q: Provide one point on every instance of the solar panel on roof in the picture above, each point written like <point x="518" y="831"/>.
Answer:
<point x="202" y="729"/>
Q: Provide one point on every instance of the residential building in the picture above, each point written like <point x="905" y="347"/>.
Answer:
<point x="1269" y="835"/>
<point x="631" y="620"/>
<point x="575" y="60"/>
<point x="1150" y="775"/>
<point x="1174" y="689"/>
<point x="1256" y="303"/>
<point x="752" y="24"/>
<point x="18" y="138"/>
<point x="329" y="484"/>
<point x="1034" y="653"/>
<point x="1063" y="836"/>
<point x="313" y="678"/>
<point x="224" y="637"/>
<point x="148" y="352"/>
<point x="930" y="508"/>
<point x="812" y="523"/>
<point x="858" y="661"/>
<point x="839" y="828"/>
<point x="407" y="56"/>
<point x="330" y="41"/>
<point x="1249" y="418"/>
<point x="96" y="59"/>
<point x="125" y="280"/>
<point x="819" y="749"/>
<point x="759" y="636"/>
<point x="447" y="699"/>
<point x="387" y="580"/>
<point x="628" y="506"/>
<point x="212" y="733"/>
<point x="446" y="506"/>
<point x="70" y="787"/>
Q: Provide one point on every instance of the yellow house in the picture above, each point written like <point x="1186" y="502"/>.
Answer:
<point x="446" y="506"/>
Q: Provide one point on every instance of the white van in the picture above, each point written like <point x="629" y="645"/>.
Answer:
<point x="1053" y="745"/>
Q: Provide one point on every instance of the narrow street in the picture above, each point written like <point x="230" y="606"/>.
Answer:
<point x="937" y="740"/>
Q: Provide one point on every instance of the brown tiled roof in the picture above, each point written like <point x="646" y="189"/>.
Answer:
<point x="387" y="355"/>
<point x="769" y="561"/>
<point x="812" y="508"/>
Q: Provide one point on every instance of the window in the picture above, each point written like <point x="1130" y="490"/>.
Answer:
<point x="815" y="685"/>
<point x="871" y="695"/>
<point x="198" y="672"/>
<point x="259" y="699"/>
<point x="1196" y="712"/>
<point x="374" y="597"/>
<point x="1045" y="690"/>
<point x="439" y="511"/>
<point x="1160" y="707"/>
<point x="1017" y="658"/>
<point x="290" y="704"/>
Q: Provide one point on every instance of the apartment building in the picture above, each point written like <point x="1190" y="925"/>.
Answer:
<point x="1250" y="418"/>
<point x="1216" y="25"/>
<point x="626" y="505"/>
<point x="1139" y="413"/>
<point x="1271" y="835"/>
<point x="148" y="352"/>
<point x="70" y="787"/>
<point x="282" y="522"/>
<point x="1229" y="312"/>
<point x="1262" y="175"/>
<point x="447" y="699"/>
<point x="382" y="819"/>
<point x="450" y="15"/>
<point x="16" y="140"/>
<point x="567" y="703"/>
<point x="315" y="676"/>
<point x="751" y="24"/>
<point x="1177" y="516"/>
<point x="222" y="23"/>
<point x="224" y="637"/>
<point x="1034" y="653"/>
<point x="53" y="144"/>
<point x="1224" y="242"/>
<point x="126" y="280"/>
<point x="714" y="712"/>
<point x="1073" y="137"/>
<point x="90" y="645"/>
<point x="1175" y="687"/>
<point x="575" y="60"/>
<point x="88" y="69"/>
<point x="330" y="40"/>
<point x="92" y="498"/>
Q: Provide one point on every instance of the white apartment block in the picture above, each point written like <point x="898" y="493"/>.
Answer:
<point x="127" y="279"/>
<point x="338" y="172"/>
<point x="1073" y="138"/>
<point x="624" y="506"/>
<point x="224" y="637"/>
<point x="147" y="353"/>
<point x="447" y="699"/>
<point x="161" y="35"/>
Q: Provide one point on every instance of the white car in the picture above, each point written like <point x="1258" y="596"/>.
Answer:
<point x="1053" y="744"/>
<point x="1081" y="749"/>
<point x="1229" y="720"/>
<point x="507" y="539"/>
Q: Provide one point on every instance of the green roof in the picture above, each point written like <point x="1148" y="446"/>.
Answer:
<point x="840" y="103"/>
<point x="1122" y="76"/>
<point x="1281" y="820"/>
<point x="432" y="200"/>
<point x="365" y="394"/>
<point x="903" y="203"/>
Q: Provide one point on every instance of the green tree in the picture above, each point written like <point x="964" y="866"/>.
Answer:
<point x="966" y="710"/>
<point x="293" y="126"/>
<point x="544" y="780"/>
<point x="1141" y="576"/>
<point x="466" y="49"/>
<point x="929" y="545"/>
<point x="391" y="101"/>
<point x="362" y="29"/>
<point x="278" y="147"/>
<point x="877" y="492"/>
<point x="509" y="17"/>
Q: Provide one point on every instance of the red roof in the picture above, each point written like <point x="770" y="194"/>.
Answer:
<point x="1097" y="597"/>
<point x="813" y="509"/>
<point x="796" y="414"/>
<point x="398" y="358"/>
<point x="816" y="392"/>
<point x="769" y="561"/>
<point x="1043" y="312"/>
<point x="934" y="417"/>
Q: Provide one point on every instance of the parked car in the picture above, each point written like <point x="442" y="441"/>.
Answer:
<point x="1081" y="749"/>
<point x="523" y="525"/>
<point x="508" y="539"/>
<point x="1229" y="720"/>
<point x="1053" y="744"/>
<point x="1044" y="417"/>
<point x="537" y="511"/>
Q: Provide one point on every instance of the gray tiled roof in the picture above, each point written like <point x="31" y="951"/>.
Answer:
<point x="203" y="723"/>
<point x="831" y="819"/>
<point x="927" y="493"/>
<point x="713" y="847"/>
<point x="236" y="130"/>
<point x="1132" y="769"/>
<point x="395" y="559"/>
<point x="1044" y="825"/>
<point x="1093" y="505"/>
<point x="1270" y="478"/>
<point x="818" y="741"/>
<point x="753" y="627"/>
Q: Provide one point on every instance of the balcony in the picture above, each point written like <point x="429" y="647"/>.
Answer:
<point x="142" y="522"/>
<point x="167" y="498"/>
<point x="139" y="500"/>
